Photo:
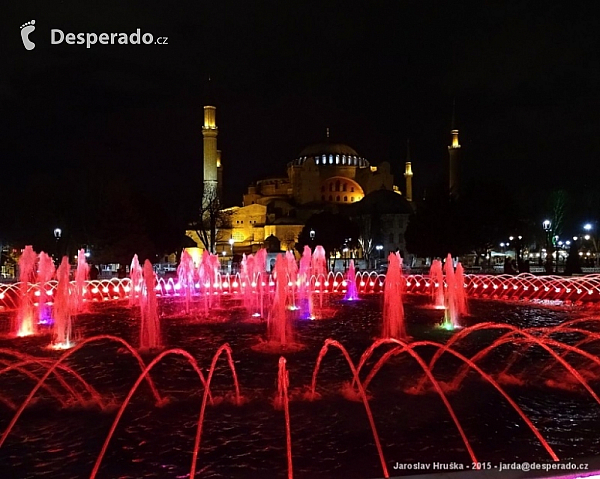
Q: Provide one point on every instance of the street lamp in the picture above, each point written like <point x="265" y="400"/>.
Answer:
<point x="379" y="248"/>
<point x="57" y="235"/>
<point x="231" y="241"/>
<point x="547" y="225"/>
<point x="312" y="235"/>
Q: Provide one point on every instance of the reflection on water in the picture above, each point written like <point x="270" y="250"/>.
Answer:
<point x="331" y="437"/>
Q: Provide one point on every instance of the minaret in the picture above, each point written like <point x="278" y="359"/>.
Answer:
<point x="219" y="175"/>
<point x="211" y="156"/>
<point x="408" y="174"/>
<point x="454" y="158"/>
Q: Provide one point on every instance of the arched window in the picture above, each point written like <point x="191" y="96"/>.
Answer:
<point x="343" y="159"/>
<point x="352" y="189"/>
<point x="352" y="198"/>
<point x="317" y="160"/>
<point x="345" y="198"/>
<point x="337" y="159"/>
<point x="331" y="159"/>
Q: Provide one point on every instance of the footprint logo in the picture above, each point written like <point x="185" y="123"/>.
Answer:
<point x="26" y="29"/>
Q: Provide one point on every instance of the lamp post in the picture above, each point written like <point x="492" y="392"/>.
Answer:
<point x="547" y="225"/>
<point x="380" y="249"/>
<point x="57" y="235"/>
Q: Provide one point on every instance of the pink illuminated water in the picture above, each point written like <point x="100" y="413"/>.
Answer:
<point x="304" y="274"/>
<point x="292" y="278"/>
<point x="81" y="275"/>
<point x="436" y="276"/>
<point x="279" y="324"/>
<point x="319" y="272"/>
<point x="26" y="320"/>
<point x="64" y="306"/>
<point x="185" y="275"/>
<point x="351" y="291"/>
<point x="393" y="310"/>
<point x="136" y="282"/>
<point x="455" y="296"/>
<point x="261" y="280"/>
<point x="46" y="270"/>
<point x="150" y="326"/>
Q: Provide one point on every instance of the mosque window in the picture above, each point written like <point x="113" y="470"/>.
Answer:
<point x="344" y="186"/>
<point x="317" y="160"/>
<point x="345" y="198"/>
<point x="343" y="159"/>
<point x="352" y="198"/>
<point x="337" y="198"/>
<point x="331" y="159"/>
<point x="352" y="189"/>
<point x="324" y="159"/>
<point x="337" y="159"/>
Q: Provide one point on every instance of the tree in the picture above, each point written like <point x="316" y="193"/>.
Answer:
<point x="369" y="227"/>
<point x="332" y="231"/>
<point x="211" y="219"/>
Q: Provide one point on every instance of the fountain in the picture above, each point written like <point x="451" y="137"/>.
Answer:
<point x="436" y="276"/>
<point x="136" y="282"/>
<point x="26" y="320"/>
<point x="150" y="337"/>
<point x="64" y="306"/>
<point x="185" y="274"/>
<point x="279" y="326"/>
<point x="319" y="273"/>
<point x="351" y="291"/>
<point x="342" y="407"/>
<point x="45" y="273"/>
<point x="455" y="297"/>
<point x="393" y="310"/>
<point x="81" y="275"/>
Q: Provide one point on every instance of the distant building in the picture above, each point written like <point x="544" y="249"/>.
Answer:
<point x="324" y="176"/>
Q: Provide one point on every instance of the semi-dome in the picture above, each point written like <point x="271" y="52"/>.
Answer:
<point x="327" y="153"/>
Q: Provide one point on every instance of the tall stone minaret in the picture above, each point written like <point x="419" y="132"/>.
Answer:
<point x="219" y="175"/>
<point x="454" y="159"/>
<point x="408" y="174"/>
<point x="211" y="154"/>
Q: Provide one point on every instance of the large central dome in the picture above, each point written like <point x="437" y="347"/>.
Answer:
<point x="327" y="153"/>
<point x="327" y="148"/>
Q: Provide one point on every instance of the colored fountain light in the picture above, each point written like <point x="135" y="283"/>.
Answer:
<point x="350" y="282"/>
<point x="150" y="337"/>
<point x="65" y="304"/>
<point x="490" y="365"/>
<point x="393" y="310"/>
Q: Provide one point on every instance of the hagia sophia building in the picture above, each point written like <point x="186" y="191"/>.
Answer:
<point x="325" y="176"/>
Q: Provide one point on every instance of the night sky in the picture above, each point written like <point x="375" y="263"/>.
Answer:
<point x="524" y="75"/>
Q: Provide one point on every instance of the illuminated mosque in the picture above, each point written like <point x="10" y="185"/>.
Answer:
<point x="325" y="176"/>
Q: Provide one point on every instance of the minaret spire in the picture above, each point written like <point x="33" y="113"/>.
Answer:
<point x="408" y="174"/>
<point x="454" y="156"/>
